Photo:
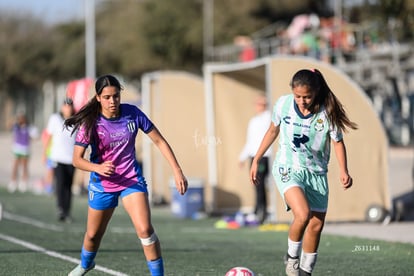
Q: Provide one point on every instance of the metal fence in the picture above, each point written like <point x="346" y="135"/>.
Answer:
<point x="385" y="72"/>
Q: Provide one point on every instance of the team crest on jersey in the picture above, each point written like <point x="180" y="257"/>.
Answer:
<point x="319" y="125"/>
<point x="284" y="174"/>
<point x="131" y="126"/>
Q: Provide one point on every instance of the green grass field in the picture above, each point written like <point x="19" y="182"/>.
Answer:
<point x="32" y="242"/>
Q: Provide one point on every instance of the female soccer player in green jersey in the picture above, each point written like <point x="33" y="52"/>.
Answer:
<point x="307" y="122"/>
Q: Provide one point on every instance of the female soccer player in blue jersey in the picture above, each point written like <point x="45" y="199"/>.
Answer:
<point x="110" y="128"/>
<point x="307" y="122"/>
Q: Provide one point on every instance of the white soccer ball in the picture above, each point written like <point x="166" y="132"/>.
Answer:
<point x="239" y="271"/>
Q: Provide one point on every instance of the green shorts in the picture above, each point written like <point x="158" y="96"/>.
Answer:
<point x="21" y="155"/>
<point x="314" y="185"/>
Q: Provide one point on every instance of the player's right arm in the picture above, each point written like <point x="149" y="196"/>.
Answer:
<point x="106" y="168"/>
<point x="267" y="141"/>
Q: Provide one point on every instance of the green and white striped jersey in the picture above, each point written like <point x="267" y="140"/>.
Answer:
<point x="304" y="141"/>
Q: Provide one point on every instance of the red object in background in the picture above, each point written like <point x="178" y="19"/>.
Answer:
<point x="248" y="53"/>
<point x="78" y="91"/>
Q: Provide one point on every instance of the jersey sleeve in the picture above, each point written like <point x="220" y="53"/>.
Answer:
<point x="336" y="134"/>
<point x="82" y="138"/>
<point x="276" y="114"/>
<point x="144" y="123"/>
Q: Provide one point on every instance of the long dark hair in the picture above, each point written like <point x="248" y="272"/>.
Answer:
<point x="89" y="113"/>
<point x="324" y="97"/>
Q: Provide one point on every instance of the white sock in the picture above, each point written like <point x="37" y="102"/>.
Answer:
<point x="308" y="261"/>
<point x="294" y="248"/>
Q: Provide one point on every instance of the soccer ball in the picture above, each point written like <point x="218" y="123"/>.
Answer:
<point x="239" y="271"/>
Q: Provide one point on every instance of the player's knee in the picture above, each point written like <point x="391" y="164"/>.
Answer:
<point x="144" y="231"/>
<point x="94" y="237"/>
<point x="302" y="217"/>
<point x="153" y="238"/>
<point x="315" y="226"/>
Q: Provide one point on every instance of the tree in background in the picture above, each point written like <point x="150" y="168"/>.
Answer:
<point x="134" y="37"/>
<point x="24" y="62"/>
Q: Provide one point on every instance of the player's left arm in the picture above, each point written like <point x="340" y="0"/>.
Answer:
<point x="180" y="180"/>
<point x="340" y="152"/>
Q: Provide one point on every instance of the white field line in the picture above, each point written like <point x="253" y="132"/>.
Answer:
<point x="53" y="227"/>
<point x="54" y="254"/>
<point x="37" y="248"/>
<point x="32" y="222"/>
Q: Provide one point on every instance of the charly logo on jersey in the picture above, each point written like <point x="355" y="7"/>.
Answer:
<point x="284" y="174"/>
<point x="131" y="126"/>
<point x="319" y="124"/>
<point x="286" y="119"/>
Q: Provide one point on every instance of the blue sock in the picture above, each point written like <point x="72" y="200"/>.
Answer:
<point x="156" y="267"/>
<point x="87" y="258"/>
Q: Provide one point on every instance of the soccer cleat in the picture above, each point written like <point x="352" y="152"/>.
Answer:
<point x="22" y="187"/>
<point x="68" y="219"/>
<point x="292" y="266"/>
<point x="80" y="271"/>
<point x="303" y="273"/>
<point x="12" y="187"/>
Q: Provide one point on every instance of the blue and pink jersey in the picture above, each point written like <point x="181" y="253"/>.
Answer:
<point x="116" y="142"/>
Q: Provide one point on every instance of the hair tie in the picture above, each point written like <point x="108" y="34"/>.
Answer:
<point x="313" y="70"/>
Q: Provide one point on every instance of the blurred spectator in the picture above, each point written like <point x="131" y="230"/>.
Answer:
<point x="348" y="41"/>
<point x="61" y="143"/>
<point x="297" y="27"/>
<point x="248" y="52"/>
<point x="325" y="38"/>
<point x="22" y="134"/>
<point x="308" y="44"/>
<point x="256" y="129"/>
<point x="47" y="181"/>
